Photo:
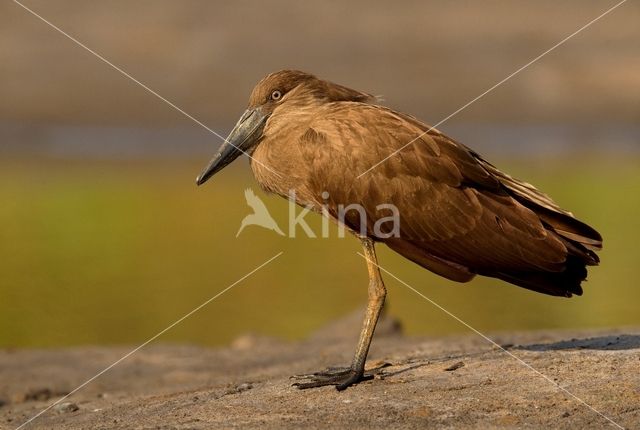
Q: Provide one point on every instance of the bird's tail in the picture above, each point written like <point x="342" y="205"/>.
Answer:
<point x="564" y="283"/>
<point x="580" y="240"/>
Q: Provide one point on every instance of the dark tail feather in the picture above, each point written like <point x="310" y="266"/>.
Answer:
<point x="565" y="283"/>
<point x="572" y="229"/>
<point x="581" y="241"/>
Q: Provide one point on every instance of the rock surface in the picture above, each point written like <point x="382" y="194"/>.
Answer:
<point x="448" y="382"/>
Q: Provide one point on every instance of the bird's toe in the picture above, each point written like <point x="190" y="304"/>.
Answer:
<point x="340" y="377"/>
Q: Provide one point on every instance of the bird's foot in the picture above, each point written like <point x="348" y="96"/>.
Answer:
<point x="341" y="377"/>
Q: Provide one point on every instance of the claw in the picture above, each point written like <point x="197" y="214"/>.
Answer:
<point x="329" y="372"/>
<point x="341" y="377"/>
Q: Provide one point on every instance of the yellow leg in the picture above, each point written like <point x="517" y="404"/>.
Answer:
<point x="344" y="377"/>
<point x="377" y="294"/>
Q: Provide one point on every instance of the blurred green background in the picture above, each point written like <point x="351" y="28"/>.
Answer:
<point x="105" y="239"/>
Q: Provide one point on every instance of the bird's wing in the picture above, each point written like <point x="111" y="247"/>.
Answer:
<point x="562" y="221"/>
<point x="453" y="206"/>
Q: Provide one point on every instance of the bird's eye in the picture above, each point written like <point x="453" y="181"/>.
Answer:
<point x="276" y="95"/>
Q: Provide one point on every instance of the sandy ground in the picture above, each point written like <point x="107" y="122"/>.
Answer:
<point x="448" y="382"/>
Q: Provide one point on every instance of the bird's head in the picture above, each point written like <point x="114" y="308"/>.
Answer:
<point x="280" y="90"/>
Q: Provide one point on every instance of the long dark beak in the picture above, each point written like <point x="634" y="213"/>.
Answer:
<point x="244" y="136"/>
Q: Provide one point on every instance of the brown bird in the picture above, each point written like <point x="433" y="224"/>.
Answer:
<point x="459" y="216"/>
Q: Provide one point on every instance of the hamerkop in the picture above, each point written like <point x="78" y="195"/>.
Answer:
<point x="459" y="215"/>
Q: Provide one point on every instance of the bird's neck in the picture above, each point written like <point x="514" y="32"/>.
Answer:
<point x="278" y="164"/>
